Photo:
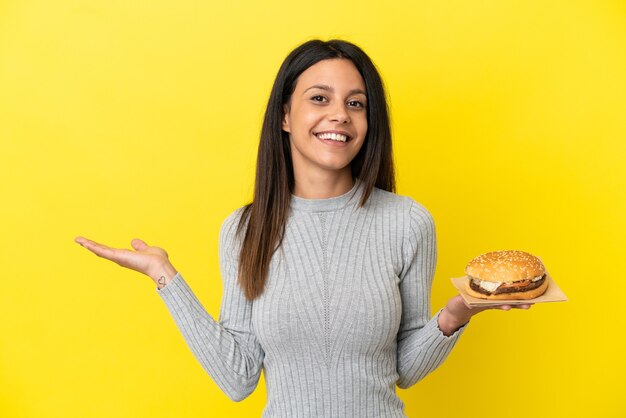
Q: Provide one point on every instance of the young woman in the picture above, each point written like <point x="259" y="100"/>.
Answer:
<point x="327" y="273"/>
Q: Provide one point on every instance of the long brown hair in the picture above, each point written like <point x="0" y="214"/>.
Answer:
<point x="264" y="219"/>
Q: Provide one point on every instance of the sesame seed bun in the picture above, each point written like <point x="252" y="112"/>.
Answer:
<point x="505" y="266"/>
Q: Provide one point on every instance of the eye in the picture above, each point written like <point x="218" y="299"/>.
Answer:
<point x="356" y="103"/>
<point x="318" y="98"/>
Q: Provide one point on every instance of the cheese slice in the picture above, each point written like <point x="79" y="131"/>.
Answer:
<point x="489" y="286"/>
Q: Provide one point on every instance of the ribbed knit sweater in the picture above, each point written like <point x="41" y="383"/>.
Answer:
<point x="344" y="317"/>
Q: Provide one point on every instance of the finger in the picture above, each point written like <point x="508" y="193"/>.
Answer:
<point x="80" y="240"/>
<point x="102" y="250"/>
<point x="138" y="244"/>
<point x="124" y="258"/>
<point x="87" y="243"/>
<point x="505" y="307"/>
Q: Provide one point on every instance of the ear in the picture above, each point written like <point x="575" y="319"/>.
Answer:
<point x="285" y="122"/>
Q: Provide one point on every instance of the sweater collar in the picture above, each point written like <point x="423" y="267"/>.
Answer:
<point x="348" y="199"/>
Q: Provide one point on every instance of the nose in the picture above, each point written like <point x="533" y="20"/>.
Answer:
<point x="338" y="113"/>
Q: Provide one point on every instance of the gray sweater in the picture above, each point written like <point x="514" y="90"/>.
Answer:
<point x="344" y="318"/>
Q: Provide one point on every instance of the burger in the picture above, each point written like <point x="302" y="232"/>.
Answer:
<point x="506" y="275"/>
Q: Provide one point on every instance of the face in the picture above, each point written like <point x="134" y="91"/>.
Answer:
<point x="326" y="118"/>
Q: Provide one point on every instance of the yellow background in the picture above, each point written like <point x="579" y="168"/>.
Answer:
<point x="127" y="119"/>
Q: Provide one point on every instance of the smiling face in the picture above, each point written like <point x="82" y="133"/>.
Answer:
<point x="326" y="119"/>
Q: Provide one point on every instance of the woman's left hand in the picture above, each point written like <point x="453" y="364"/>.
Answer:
<point x="457" y="313"/>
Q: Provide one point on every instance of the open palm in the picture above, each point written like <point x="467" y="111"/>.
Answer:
<point x="149" y="260"/>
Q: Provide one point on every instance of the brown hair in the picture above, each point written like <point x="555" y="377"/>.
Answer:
<point x="264" y="219"/>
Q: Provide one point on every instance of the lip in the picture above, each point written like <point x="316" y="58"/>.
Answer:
<point x="332" y="131"/>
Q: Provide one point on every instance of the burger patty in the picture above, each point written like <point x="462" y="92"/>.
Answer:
<point x="500" y="290"/>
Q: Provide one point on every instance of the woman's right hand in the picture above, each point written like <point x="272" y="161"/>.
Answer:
<point x="151" y="261"/>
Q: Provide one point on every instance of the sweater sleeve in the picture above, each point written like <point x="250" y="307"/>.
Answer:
<point x="422" y="346"/>
<point x="227" y="349"/>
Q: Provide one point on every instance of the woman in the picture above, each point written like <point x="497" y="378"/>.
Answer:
<point x="327" y="273"/>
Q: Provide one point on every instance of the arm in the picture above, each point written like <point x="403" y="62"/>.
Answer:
<point x="422" y="345"/>
<point x="227" y="350"/>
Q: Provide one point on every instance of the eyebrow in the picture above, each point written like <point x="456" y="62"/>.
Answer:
<point x="330" y="89"/>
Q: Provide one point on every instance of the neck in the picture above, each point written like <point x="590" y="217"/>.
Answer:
<point x="323" y="185"/>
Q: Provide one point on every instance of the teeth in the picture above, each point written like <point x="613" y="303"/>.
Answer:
<point x="333" y="136"/>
